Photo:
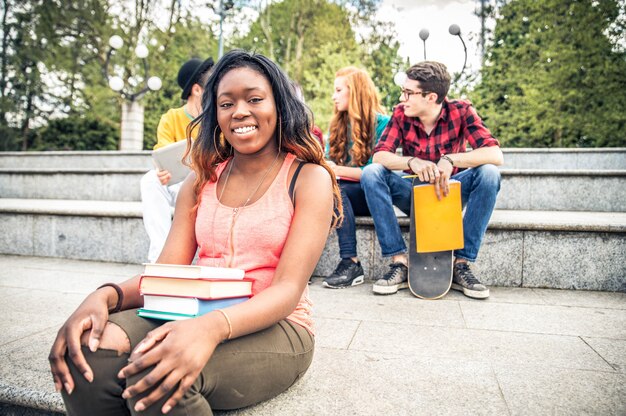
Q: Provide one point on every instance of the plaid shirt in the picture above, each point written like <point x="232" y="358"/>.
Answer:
<point x="457" y="125"/>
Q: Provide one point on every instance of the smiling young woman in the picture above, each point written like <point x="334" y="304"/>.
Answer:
<point x="260" y="198"/>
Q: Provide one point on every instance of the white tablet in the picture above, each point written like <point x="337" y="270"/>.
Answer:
<point x="170" y="158"/>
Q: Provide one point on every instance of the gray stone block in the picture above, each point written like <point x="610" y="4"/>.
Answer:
<point x="545" y="319"/>
<point x="78" y="159"/>
<point x="584" y="191"/>
<point x="582" y="298"/>
<point x="491" y="266"/>
<point x="560" y="259"/>
<point x="103" y="185"/>
<point x="116" y="239"/>
<point x="611" y="350"/>
<point x="554" y="391"/>
<point x="565" y="158"/>
<point x="17" y="234"/>
<point x="489" y="347"/>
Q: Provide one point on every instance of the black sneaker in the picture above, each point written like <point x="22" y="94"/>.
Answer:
<point x="394" y="280"/>
<point x="464" y="280"/>
<point x="347" y="273"/>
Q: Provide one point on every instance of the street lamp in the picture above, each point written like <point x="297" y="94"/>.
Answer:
<point x="455" y="30"/>
<point x="132" y="109"/>
<point x="222" y="8"/>
<point x="424" y="33"/>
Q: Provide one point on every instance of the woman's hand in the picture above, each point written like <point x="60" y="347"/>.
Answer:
<point x="179" y="350"/>
<point x="92" y="315"/>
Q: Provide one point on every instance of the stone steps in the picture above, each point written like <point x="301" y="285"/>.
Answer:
<point x="77" y="159"/>
<point x="573" y="250"/>
<point x="523" y="158"/>
<point x="525" y="189"/>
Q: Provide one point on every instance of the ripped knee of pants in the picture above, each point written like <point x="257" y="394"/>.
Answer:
<point x="113" y="338"/>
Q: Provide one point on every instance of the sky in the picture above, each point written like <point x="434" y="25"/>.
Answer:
<point x="410" y="16"/>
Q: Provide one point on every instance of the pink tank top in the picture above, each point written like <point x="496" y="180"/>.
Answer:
<point x="258" y="237"/>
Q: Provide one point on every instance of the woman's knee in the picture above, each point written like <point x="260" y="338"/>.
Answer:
<point x="113" y="338"/>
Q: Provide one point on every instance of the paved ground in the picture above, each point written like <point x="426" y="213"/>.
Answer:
<point x="522" y="351"/>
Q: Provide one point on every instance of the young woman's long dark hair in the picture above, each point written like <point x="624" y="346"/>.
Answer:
<point x="293" y="129"/>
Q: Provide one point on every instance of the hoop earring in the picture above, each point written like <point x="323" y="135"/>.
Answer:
<point x="217" y="149"/>
<point x="280" y="134"/>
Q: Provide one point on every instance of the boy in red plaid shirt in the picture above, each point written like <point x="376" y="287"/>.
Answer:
<point x="433" y="133"/>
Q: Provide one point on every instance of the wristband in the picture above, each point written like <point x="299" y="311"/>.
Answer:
<point x="446" y="157"/>
<point x="120" y="296"/>
<point x="408" y="163"/>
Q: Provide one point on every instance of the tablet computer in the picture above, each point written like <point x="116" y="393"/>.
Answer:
<point x="170" y="158"/>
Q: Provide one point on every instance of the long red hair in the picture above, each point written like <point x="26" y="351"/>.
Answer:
<point x="363" y="105"/>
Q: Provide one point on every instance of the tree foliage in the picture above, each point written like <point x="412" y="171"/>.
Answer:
<point x="53" y="60"/>
<point x="313" y="39"/>
<point x="77" y="132"/>
<point x="554" y="75"/>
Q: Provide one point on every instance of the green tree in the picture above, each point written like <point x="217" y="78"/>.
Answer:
<point x="312" y="39"/>
<point x="381" y="59"/>
<point x="554" y="74"/>
<point x="46" y="46"/>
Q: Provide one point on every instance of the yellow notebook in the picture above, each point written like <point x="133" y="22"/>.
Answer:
<point x="438" y="224"/>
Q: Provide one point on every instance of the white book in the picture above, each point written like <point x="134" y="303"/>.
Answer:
<point x="185" y="271"/>
<point x="170" y="158"/>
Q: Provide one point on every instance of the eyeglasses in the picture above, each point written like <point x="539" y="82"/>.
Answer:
<point x="406" y="94"/>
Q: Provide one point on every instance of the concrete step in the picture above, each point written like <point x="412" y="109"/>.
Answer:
<point x="553" y="249"/>
<point x="77" y="160"/>
<point x="105" y="184"/>
<point x="613" y="158"/>
<point x="525" y="189"/>
<point x="571" y="190"/>
<point x="523" y="158"/>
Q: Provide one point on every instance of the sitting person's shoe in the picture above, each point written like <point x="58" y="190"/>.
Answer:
<point x="394" y="280"/>
<point x="464" y="280"/>
<point x="347" y="273"/>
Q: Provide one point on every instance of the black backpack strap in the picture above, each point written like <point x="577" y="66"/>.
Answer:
<point x="292" y="184"/>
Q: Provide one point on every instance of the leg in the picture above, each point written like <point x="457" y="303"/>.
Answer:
<point x="349" y="271"/>
<point x="354" y="203"/>
<point x="241" y="372"/>
<point x="245" y="371"/>
<point x="258" y="366"/>
<point x="479" y="189"/>
<point x="104" y="395"/>
<point x="156" y="203"/>
<point x="383" y="189"/>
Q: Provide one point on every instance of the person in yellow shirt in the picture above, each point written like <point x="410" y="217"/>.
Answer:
<point x="158" y="195"/>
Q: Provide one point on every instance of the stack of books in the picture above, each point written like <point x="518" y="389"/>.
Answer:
<point x="175" y="292"/>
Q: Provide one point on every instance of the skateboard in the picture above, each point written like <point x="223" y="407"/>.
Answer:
<point x="430" y="273"/>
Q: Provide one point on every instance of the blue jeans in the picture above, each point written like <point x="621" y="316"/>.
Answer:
<point x="384" y="188"/>
<point x="354" y="204"/>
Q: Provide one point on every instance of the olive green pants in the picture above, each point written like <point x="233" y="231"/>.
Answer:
<point x="240" y="373"/>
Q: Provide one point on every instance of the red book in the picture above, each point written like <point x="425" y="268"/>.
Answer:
<point x="195" y="288"/>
